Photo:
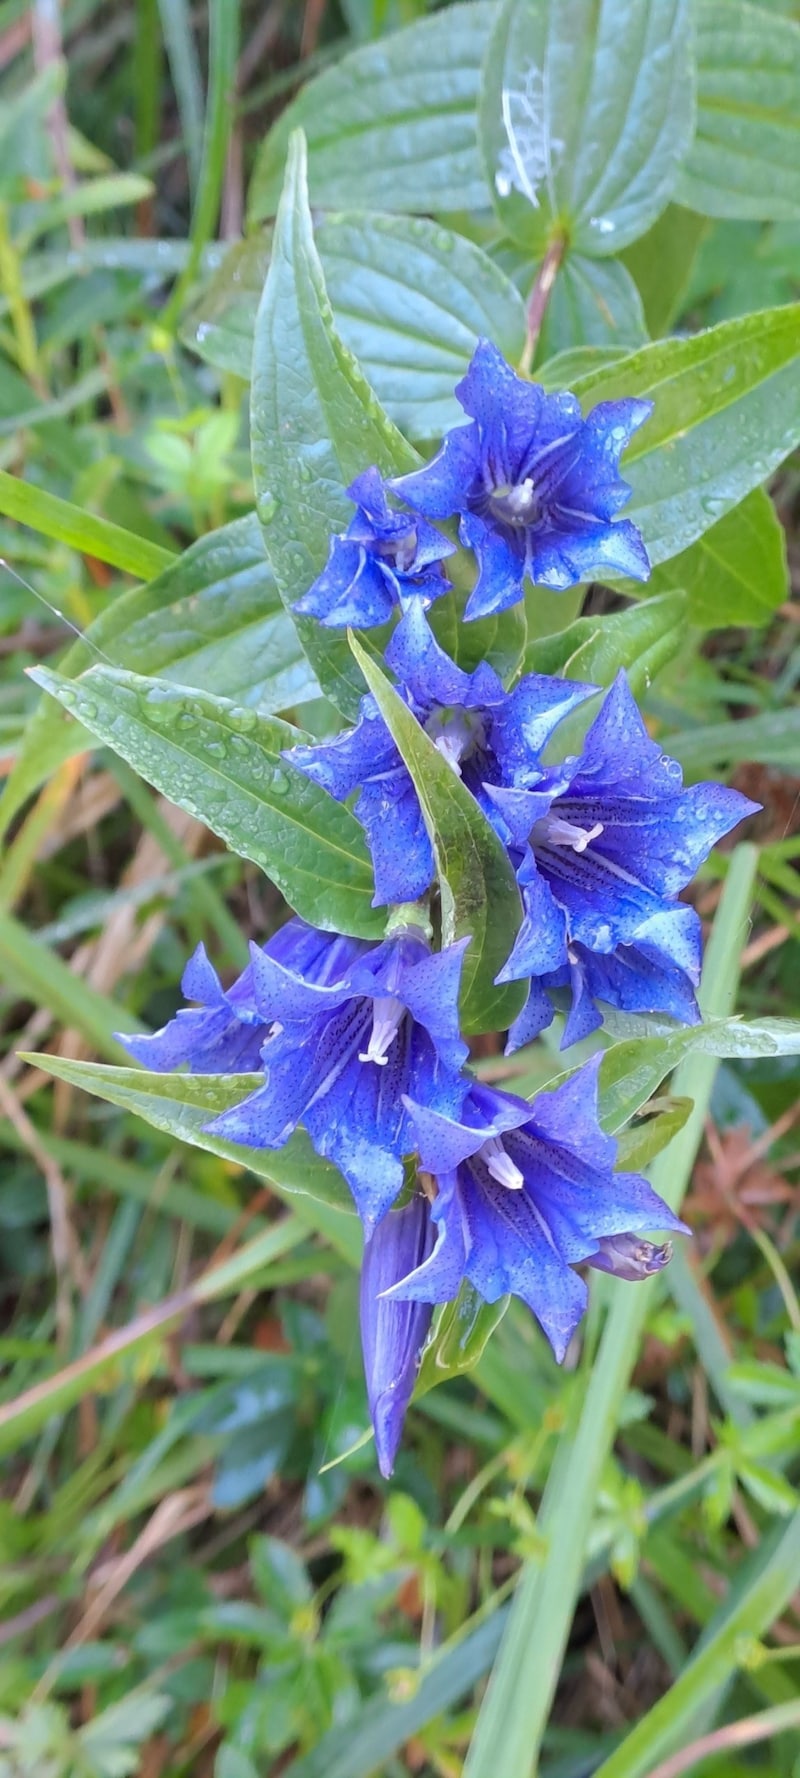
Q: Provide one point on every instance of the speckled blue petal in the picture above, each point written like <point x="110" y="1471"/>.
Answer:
<point x="525" y="1193"/>
<point x="431" y="678"/>
<point x="226" y="1032"/>
<point x="501" y="567"/>
<point x="541" y="943"/>
<point x="353" y="588"/>
<point x="438" y="490"/>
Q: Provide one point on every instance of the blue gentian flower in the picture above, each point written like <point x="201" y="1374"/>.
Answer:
<point x="226" y="1032"/>
<point x="605" y="842"/>
<point x="487" y="735"/>
<point x="383" y="559"/>
<point x="536" y="485"/>
<point x="342" y="1054"/>
<point x="393" y="1333"/>
<point x="525" y="1194"/>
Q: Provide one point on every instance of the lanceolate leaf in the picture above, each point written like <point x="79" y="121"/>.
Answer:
<point x="744" y="160"/>
<point x="480" y="899"/>
<point x="586" y="114"/>
<point x="727" y="412"/>
<point x="315" y="425"/>
<point x="220" y="589"/>
<point x="223" y="764"/>
<point x="736" y="573"/>
<point x="393" y="126"/>
<point x="181" y="1104"/>
<point x="632" y="1071"/>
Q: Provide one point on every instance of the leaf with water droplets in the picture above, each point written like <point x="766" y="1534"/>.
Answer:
<point x="224" y="766"/>
<point x="586" y="113"/>
<point x="726" y="413"/>
<point x="219" y="590"/>
<point x="315" y="425"/>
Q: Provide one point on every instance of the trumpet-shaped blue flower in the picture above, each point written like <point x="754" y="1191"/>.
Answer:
<point x="393" y="1333"/>
<point x="487" y="735"/>
<point x="383" y="559"/>
<point x="605" y="843"/>
<point x="342" y="1053"/>
<point x="536" y="485"/>
<point x="526" y="1193"/>
<point x="225" y="1033"/>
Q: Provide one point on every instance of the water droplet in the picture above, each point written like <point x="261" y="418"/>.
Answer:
<point x="246" y="720"/>
<point x="280" y="782"/>
<point x="266" y="507"/>
<point x="502" y="185"/>
<point x="603" y="225"/>
<point x="217" y="749"/>
<point x="202" y="332"/>
<point x="88" y="710"/>
<point x="444" y="240"/>
<point x="305" y="471"/>
<point x="185" y="720"/>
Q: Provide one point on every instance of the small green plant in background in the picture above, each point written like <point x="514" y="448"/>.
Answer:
<point x="202" y="1568"/>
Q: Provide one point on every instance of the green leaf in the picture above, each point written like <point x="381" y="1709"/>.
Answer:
<point x="727" y="412"/>
<point x="631" y="1071"/>
<point x="639" y="1145"/>
<point x="594" y="303"/>
<point x="392" y="127"/>
<point x="772" y="739"/>
<point x="220" y="590"/>
<point x="315" y="424"/>
<point x="223" y="765"/>
<point x="586" y="113"/>
<point x="641" y="639"/>
<point x="480" y="899"/>
<point x="79" y="529"/>
<point x="661" y="264"/>
<point x="410" y="300"/>
<point x="744" y="160"/>
<point x="458" y="1337"/>
<point x="737" y="572"/>
<point x="180" y="1104"/>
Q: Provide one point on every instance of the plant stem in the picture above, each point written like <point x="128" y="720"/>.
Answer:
<point x="539" y="299"/>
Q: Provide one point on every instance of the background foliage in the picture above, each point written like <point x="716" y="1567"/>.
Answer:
<point x="201" y="1572"/>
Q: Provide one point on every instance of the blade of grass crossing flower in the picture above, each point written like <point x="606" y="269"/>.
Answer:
<point x="515" y="1711"/>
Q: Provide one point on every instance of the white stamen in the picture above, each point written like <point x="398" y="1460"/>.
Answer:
<point x="557" y="832"/>
<point x="521" y="499"/>
<point x="387" y="1015"/>
<point x="450" y="748"/>
<point x="500" y="1165"/>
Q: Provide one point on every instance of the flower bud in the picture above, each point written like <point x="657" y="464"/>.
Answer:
<point x="393" y="1333"/>
<point x="629" y="1256"/>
